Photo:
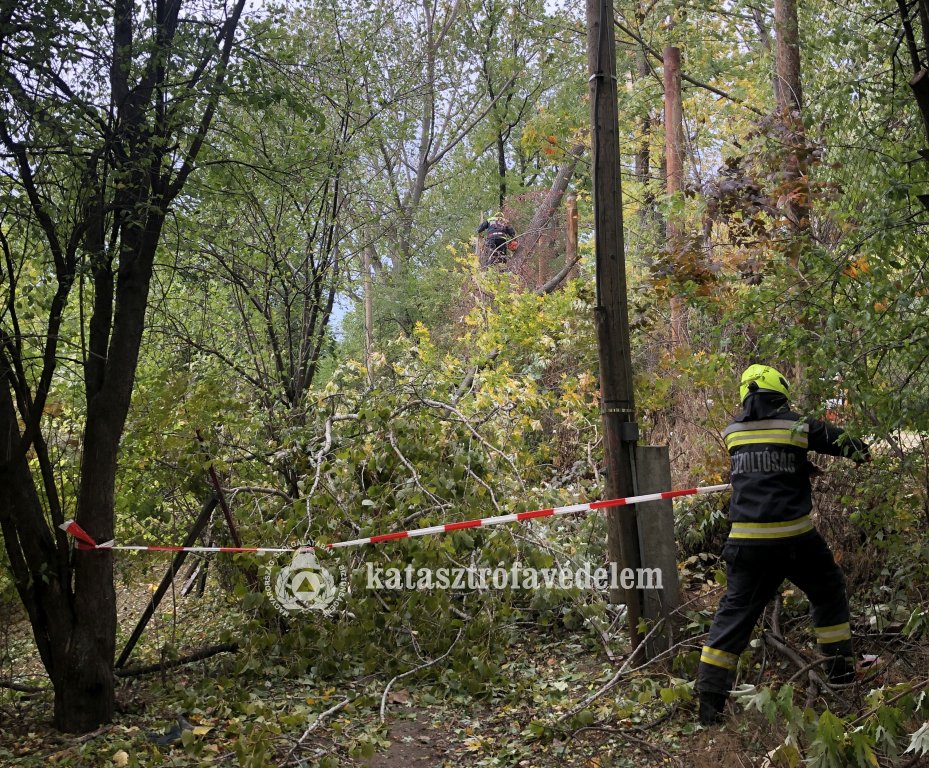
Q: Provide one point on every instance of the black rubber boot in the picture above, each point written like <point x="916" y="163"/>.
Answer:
<point x="841" y="670"/>
<point x="711" y="707"/>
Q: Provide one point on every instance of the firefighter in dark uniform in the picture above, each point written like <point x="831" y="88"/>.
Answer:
<point x="499" y="233"/>
<point x="772" y="536"/>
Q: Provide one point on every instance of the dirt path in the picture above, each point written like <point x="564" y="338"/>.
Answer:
<point x="415" y="742"/>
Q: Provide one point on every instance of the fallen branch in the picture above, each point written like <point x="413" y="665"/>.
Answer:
<point x="326" y="446"/>
<point x="202" y="521"/>
<point x="544" y="213"/>
<point x="82" y="739"/>
<point x="414" y="671"/>
<point x="785" y="650"/>
<point x="259" y="489"/>
<point x="627" y="734"/>
<point x="552" y="284"/>
<point x="450" y="409"/>
<point x="777" y="642"/>
<point x="670" y="650"/>
<point x="203" y="653"/>
<point x="194" y="574"/>
<point x="808" y="667"/>
<point x="20" y="688"/>
<point x="469" y="379"/>
<point x="612" y="683"/>
<point x="318" y="721"/>
<point x="870" y="712"/>
<point x="440" y="503"/>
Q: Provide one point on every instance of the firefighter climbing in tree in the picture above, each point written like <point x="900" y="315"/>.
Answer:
<point x="772" y="536"/>
<point x="499" y="235"/>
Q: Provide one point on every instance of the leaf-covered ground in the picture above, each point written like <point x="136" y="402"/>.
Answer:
<point x="250" y="709"/>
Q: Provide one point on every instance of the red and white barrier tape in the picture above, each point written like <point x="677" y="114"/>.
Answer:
<point x="86" y="542"/>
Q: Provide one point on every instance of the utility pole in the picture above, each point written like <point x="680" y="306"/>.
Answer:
<point x="674" y="153"/>
<point x="617" y="405"/>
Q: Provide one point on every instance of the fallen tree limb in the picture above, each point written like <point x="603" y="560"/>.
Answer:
<point x="866" y="715"/>
<point x="593" y="697"/>
<point x="544" y="213"/>
<point x="781" y="647"/>
<point x="778" y="642"/>
<point x="552" y="284"/>
<point x="20" y="688"/>
<point x="808" y="667"/>
<point x="202" y="521"/>
<point x="61" y="740"/>
<point x="626" y="733"/>
<point x="414" y="671"/>
<point x="203" y="653"/>
<point x="259" y="489"/>
<point x="612" y="683"/>
<point x="316" y="723"/>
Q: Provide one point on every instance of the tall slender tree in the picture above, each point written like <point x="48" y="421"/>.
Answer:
<point x="105" y="108"/>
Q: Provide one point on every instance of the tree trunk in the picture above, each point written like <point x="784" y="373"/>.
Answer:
<point x="919" y="83"/>
<point x="75" y="637"/>
<point x="789" y="92"/>
<point x="84" y="697"/>
<point x="790" y="106"/>
<point x="75" y="628"/>
<point x="501" y="167"/>
<point x="674" y="153"/>
<point x="544" y="213"/>
<point x="924" y="23"/>
<point x="40" y="574"/>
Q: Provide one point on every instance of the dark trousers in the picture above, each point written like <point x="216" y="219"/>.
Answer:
<point x="754" y="574"/>
<point x="496" y="251"/>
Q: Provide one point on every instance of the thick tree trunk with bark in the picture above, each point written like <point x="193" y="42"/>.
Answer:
<point x="790" y="107"/>
<point x="789" y="91"/>
<point x="674" y="154"/>
<point x="88" y="669"/>
<point x="542" y="217"/>
<point x="114" y="225"/>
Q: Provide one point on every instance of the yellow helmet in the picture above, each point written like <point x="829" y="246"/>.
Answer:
<point x="763" y="377"/>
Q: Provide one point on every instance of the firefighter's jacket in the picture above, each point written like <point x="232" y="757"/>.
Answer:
<point x="497" y="231"/>
<point x="771" y="492"/>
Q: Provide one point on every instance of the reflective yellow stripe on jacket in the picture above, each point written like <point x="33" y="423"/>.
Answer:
<point x="771" y="530"/>
<point x="768" y="431"/>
